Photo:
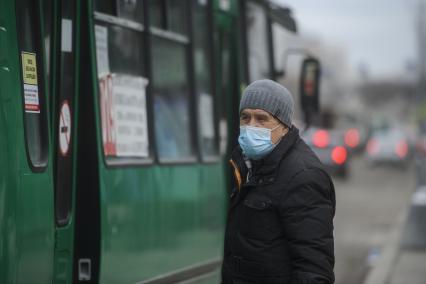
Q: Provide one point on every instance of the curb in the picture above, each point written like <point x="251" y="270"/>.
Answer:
<point x="380" y="272"/>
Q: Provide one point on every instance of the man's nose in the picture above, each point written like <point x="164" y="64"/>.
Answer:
<point x="252" y="122"/>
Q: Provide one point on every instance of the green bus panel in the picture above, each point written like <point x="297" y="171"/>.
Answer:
<point x="26" y="197"/>
<point x="156" y="220"/>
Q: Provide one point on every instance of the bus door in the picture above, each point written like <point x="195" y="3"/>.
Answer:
<point x="27" y="196"/>
<point x="63" y="61"/>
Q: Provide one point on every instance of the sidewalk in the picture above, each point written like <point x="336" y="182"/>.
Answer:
<point x="409" y="267"/>
<point x="403" y="257"/>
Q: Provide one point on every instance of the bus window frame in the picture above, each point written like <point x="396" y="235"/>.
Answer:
<point x="42" y="89"/>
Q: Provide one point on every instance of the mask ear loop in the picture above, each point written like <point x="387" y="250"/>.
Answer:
<point x="275" y="127"/>
<point x="287" y="129"/>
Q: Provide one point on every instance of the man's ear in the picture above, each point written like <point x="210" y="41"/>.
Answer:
<point x="285" y="130"/>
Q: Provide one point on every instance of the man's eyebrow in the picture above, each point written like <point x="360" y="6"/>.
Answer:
<point x="263" y="115"/>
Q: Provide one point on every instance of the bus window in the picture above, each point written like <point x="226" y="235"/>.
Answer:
<point x="257" y="42"/>
<point x="203" y="78"/>
<point x="106" y="7"/>
<point x="170" y="83"/>
<point x="130" y="9"/>
<point x="31" y="55"/>
<point x="122" y="81"/>
<point x="177" y="13"/>
<point x="171" y="100"/>
<point x="125" y="58"/>
<point x="157" y="15"/>
<point x="169" y="15"/>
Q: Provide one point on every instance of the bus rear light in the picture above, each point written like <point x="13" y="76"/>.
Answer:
<point x="339" y="155"/>
<point x="321" y="138"/>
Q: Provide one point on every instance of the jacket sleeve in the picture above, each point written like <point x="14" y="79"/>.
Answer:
<point x="307" y="210"/>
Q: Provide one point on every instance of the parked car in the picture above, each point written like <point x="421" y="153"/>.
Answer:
<point x="389" y="146"/>
<point x="330" y="148"/>
<point x="420" y="159"/>
<point x="357" y="129"/>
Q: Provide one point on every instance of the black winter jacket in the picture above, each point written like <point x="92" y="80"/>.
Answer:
<point x="280" y="220"/>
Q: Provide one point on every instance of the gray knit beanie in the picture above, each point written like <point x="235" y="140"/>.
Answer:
<point x="271" y="97"/>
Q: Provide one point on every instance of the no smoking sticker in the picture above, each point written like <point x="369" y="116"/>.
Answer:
<point x="64" y="128"/>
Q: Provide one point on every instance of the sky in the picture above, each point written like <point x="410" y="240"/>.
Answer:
<point x="378" y="34"/>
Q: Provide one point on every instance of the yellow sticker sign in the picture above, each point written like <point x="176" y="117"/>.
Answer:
<point x="29" y="68"/>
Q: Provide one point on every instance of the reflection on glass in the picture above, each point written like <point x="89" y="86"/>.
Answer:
<point x="106" y="7"/>
<point x="257" y="42"/>
<point x="169" y="15"/>
<point x="130" y="9"/>
<point x="171" y="100"/>
<point x="177" y="16"/>
<point x="156" y="13"/>
<point x="121" y="58"/>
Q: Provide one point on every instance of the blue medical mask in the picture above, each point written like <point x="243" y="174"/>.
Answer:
<point x="256" y="142"/>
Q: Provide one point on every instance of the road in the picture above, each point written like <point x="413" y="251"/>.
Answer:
<point x="368" y="205"/>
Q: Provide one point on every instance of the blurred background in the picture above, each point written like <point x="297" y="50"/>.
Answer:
<point x="372" y="129"/>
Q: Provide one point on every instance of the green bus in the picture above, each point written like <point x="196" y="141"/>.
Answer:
<point x="116" y="119"/>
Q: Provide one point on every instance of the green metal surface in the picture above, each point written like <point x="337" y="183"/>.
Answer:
<point x="157" y="219"/>
<point x="26" y="198"/>
<point x="160" y="219"/>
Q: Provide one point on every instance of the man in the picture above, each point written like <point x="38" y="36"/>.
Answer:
<point x="280" y="220"/>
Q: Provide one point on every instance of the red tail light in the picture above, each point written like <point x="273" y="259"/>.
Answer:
<point x="401" y="149"/>
<point x="321" y="138"/>
<point x="352" y="137"/>
<point x="339" y="155"/>
<point x="373" y="147"/>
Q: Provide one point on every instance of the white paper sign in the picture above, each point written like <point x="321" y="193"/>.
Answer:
<point x="206" y="116"/>
<point x="102" y="58"/>
<point x="32" y="104"/>
<point x="124" y="118"/>
<point x="129" y="95"/>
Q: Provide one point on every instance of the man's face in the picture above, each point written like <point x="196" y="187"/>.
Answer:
<point x="260" y="118"/>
